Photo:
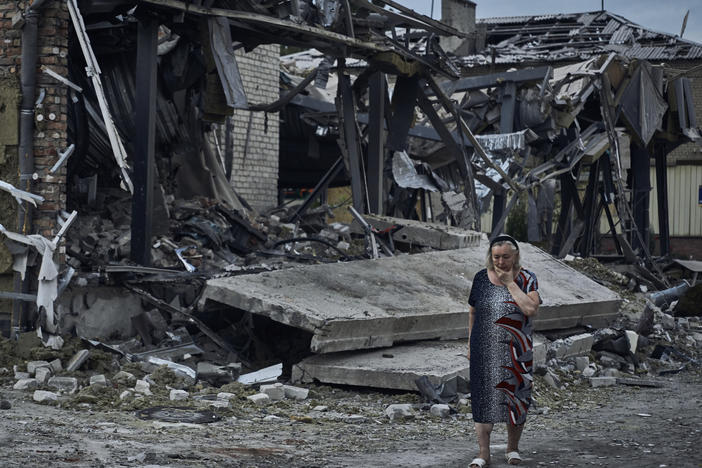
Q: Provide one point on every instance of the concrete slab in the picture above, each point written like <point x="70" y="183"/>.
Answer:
<point x="392" y="368"/>
<point x="434" y="235"/>
<point x="377" y="303"/>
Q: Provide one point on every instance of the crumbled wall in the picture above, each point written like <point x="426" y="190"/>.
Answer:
<point x="255" y="167"/>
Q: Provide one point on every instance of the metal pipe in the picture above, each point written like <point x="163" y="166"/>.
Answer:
<point x="28" y="75"/>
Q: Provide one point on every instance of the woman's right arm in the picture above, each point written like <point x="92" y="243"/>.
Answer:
<point x="471" y="320"/>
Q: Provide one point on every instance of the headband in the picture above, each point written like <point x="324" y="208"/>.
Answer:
<point x="502" y="238"/>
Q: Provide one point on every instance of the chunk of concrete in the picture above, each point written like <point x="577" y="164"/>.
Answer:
<point x="125" y="378"/>
<point x="540" y="348"/>
<point x="377" y="303"/>
<point x="22" y="375"/>
<point x="603" y="381"/>
<point x="215" y="375"/>
<point x="295" y="393"/>
<point x="143" y="387"/>
<point x="32" y="366"/>
<point x="581" y="362"/>
<point x="274" y="391"/>
<point x="42" y="396"/>
<point x="56" y="366"/>
<point x="394" y="368"/>
<point x="125" y="394"/>
<point x="98" y="380"/>
<point x="226" y="396"/>
<point x="576" y="345"/>
<point x="178" y="395"/>
<point x="399" y="411"/>
<point x="259" y="399"/>
<point x="589" y="371"/>
<point x="440" y="410"/>
<point x="64" y="384"/>
<point x="42" y="375"/>
<point x="26" y="384"/>
<point x="77" y="360"/>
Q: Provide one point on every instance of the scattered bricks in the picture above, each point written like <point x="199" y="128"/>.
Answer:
<point x="77" y="360"/>
<point x="125" y="378"/>
<point x="26" y="384"/>
<point x="399" y="411"/>
<point x="259" y="399"/>
<point x="274" y="391"/>
<point x="42" y="374"/>
<point x="143" y="387"/>
<point x="603" y="381"/>
<point x="581" y="362"/>
<point x="225" y="396"/>
<point x="295" y="393"/>
<point x="98" y="380"/>
<point x="42" y="396"/>
<point x="440" y="411"/>
<point x="64" y="384"/>
<point x="56" y="366"/>
<point x="32" y="366"/>
<point x="178" y="395"/>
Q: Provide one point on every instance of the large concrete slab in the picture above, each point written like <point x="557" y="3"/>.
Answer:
<point x="376" y="303"/>
<point x="394" y="368"/>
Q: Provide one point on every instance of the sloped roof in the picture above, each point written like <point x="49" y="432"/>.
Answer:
<point x="576" y="36"/>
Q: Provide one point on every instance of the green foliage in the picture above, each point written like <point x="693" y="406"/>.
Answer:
<point x="516" y="225"/>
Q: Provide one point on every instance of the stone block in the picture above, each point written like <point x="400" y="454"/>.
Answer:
<point x="64" y="384"/>
<point x="225" y="396"/>
<point x="216" y="375"/>
<point x="295" y="393"/>
<point x="178" y="395"/>
<point x="41" y="396"/>
<point x="399" y="411"/>
<point x="259" y="399"/>
<point x="26" y="384"/>
<point x="143" y="387"/>
<point x="581" y="362"/>
<point x="22" y="375"/>
<point x="56" y="366"/>
<point x="98" y="380"/>
<point x="440" y="411"/>
<point x="77" y="360"/>
<point x="577" y="345"/>
<point x="123" y="377"/>
<point x="32" y="366"/>
<point x="42" y="374"/>
<point x="603" y="381"/>
<point x="540" y="348"/>
<point x="274" y="391"/>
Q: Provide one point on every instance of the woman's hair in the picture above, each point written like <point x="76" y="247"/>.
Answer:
<point x="515" y="250"/>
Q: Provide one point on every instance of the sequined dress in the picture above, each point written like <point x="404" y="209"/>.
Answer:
<point x="501" y="351"/>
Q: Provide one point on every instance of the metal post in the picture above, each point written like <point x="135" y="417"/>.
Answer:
<point x="376" y="147"/>
<point x="350" y="139"/>
<point x="508" y="95"/>
<point x="662" y="188"/>
<point x="144" y="140"/>
<point x="641" y="184"/>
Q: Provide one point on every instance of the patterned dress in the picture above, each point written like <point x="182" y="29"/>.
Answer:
<point x="501" y="351"/>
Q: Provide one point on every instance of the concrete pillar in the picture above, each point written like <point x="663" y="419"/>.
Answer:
<point x="460" y="15"/>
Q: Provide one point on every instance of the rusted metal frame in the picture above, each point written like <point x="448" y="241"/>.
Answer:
<point x="376" y="148"/>
<point x="349" y="137"/>
<point x="589" y="204"/>
<point x="404" y="99"/>
<point x="430" y="21"/>
<point x="662" y="192"/>
<point x="144" y="141"/>
<point x="322" y="185"/>
<point x="266" y="21"/>
<point x="285" y="100"/>
<point x="448" y="105"/>
<point x="623" y="207"/>
<point x="508" y="100"/>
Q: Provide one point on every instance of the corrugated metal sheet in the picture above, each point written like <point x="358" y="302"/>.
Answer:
<point x="611" y="27"/>
<point x="685" y="214"/>
<point x="694" y="52"/>
<point x="621" y="36"/>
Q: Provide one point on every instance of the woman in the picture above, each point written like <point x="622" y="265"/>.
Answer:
<point x="503" y="300"/>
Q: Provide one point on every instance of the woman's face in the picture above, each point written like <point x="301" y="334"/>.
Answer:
<point x="503" y="257"/>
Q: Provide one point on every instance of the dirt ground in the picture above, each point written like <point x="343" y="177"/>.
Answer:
<point x="578" y="426"/>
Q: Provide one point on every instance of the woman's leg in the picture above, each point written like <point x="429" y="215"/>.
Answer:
<point x="483" y="431"/>
<point x="514" y="433"/>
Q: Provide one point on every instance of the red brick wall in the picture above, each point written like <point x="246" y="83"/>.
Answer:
<point x="50" y="133"/>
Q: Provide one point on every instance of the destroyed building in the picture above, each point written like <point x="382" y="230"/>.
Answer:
<point x="153" y="139"/>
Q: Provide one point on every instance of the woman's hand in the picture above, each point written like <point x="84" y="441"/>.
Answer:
<point x="505" y="276"/>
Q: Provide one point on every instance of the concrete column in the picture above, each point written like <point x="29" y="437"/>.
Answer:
<point x="460" y="15"/>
